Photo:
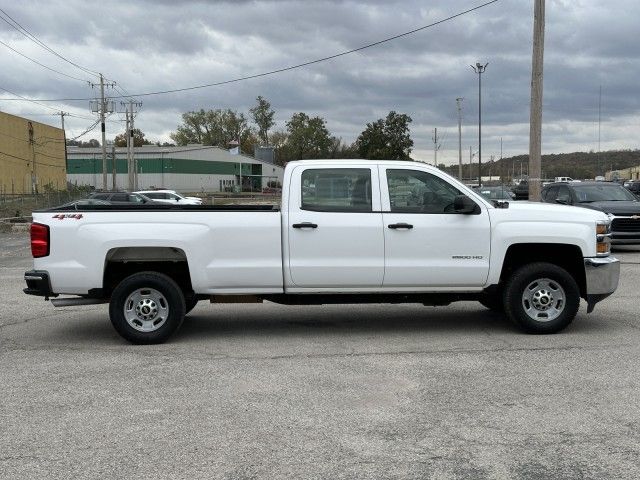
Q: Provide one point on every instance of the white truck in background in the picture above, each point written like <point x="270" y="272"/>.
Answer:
<point x="348" y="231"/>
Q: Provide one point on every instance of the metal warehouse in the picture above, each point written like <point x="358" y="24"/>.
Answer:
<point x="192" y="168"/>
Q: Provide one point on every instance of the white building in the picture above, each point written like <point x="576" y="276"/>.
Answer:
<point x="192" y="168"/>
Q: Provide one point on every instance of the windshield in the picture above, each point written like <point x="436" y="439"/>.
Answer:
<point x="603" y="193"/>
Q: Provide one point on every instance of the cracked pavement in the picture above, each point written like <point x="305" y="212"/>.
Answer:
<point x="355" y="391"/>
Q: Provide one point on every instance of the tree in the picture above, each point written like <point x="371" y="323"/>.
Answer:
<point x="214" y="127"/>
<point x="262" y="115"/>
<point x="138" y="139"/>
<point x="93" y="143"/>
<point x="387" y="138"/>
<point x="308" y="137"/>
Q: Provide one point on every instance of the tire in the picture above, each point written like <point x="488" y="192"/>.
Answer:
<point x="147" y="308"/>
<point x="190" y="302"/>
<point x="541" y="298"/>
<point x="492" y="301"/>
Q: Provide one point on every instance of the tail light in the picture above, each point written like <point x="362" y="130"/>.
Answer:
<point x="39" y="240"/>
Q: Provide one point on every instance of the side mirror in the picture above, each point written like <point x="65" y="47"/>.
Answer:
<point x="463" y="204"/>
<point x="562" y="200"/>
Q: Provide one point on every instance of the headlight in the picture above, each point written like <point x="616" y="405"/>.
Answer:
<point x="603" y="238"/>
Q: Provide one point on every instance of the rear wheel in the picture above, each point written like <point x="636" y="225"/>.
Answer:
<point x="147" y="308"/>
<point x="541" y="298"/>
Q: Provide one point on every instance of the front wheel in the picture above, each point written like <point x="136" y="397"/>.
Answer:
<point x="147" y="308"/>
<point x="541" y="298"/>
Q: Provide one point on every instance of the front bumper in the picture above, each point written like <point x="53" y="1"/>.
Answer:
<point x="38" y="283"/>
<point x="602" y="275"/>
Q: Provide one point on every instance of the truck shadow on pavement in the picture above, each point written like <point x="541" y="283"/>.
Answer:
<point x="318" y="322"/>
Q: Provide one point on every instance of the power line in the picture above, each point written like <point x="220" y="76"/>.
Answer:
<point x="41" y="64"/>
<point x="38" y="103"/>
<point x="16" y="26"/>
<point x="286" y="69"/>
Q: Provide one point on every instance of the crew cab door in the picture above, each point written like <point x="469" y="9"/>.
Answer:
<point x="334" y="228"/>
<point x="428" y="244"/>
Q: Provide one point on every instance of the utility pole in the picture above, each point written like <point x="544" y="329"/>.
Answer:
<point x="132" y="170"/>
<point x="436" y="147"/>
<point x="470" y="164"/>
<point x="458" y="102"/>
<point x="114" y="167"/>
<point x="62" y="115"/>
<point x="104" y="146"/>
<point x="535" y="128"/>
<point x="103" y="107"/>
<point x="599" y="121"/>
<point x="131" y="183"/>
<point x="480" y="69"/>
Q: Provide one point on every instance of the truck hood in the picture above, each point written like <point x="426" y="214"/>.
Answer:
<point x="539" y="211"/>
<point x="615" y="208"/>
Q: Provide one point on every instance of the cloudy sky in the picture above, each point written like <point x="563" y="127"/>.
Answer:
<point x="148" y="46"/>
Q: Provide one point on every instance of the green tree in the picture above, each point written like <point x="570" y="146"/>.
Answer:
<point x="262" y="115"/>
<point x="387" y="138"/>
<point x="214" y="127"/>
<point x="138" y="139"/>
<point x="308" y="137"/>
<point x="93" y="143"/>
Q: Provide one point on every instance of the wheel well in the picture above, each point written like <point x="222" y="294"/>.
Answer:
<point x="566" y="256"/>
<point x="123" y="262"/>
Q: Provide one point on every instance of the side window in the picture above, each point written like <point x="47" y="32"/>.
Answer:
<point x="120" y="197"/>
<point x="101" y="196"/>
<point x="336" y="189"/>
<point x="564" y="195"/>
<point x="135" y="198"/>
<point x="551" y="194"/>
<point x="414" y="191"/>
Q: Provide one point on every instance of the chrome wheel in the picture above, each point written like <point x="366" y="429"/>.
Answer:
<point x="146" y="309"/>
<point x="543" y="300"/>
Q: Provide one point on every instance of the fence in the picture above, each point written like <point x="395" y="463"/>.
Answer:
<point x="18" y="205"/>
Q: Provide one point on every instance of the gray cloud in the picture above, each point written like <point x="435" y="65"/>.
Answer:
<point x="158" y="45"/>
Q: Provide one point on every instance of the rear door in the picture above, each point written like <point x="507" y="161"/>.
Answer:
<point x="334" y="228"/>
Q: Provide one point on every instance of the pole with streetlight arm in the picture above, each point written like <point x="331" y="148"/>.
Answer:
<point x="479" y="69"/>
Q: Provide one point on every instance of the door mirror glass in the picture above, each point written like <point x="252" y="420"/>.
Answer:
<point x="463" y="204"/>
<point x="563" y="199"/>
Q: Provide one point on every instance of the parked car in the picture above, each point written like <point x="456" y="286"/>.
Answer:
<point x="633" y="187"/>
<point x="84" y="202"/>
<point x="611" y="198"/>
<point x="521" y="191"/>
<point x="496" y="193"/>
<point x="170" y="196"/>
<point x="122" y="198"/>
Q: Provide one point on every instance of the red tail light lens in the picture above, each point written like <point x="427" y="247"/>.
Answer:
<point x="39" y="240"/>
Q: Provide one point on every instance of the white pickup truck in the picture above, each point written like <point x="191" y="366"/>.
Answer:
<point x="348" y="231"/>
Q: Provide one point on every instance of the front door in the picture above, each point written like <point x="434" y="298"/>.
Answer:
<point x="427" y="244"/>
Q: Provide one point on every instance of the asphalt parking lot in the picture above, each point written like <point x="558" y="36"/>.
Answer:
<point x="268" y="391"/>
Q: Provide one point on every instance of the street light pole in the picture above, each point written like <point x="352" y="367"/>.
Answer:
<point x="479" y="69"/>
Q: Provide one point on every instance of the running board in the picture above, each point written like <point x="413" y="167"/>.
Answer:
<point x="72" y="302"/>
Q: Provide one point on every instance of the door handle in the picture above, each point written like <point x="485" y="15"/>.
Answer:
<point x="396" y="226"/>
<point x="305" y="225"/>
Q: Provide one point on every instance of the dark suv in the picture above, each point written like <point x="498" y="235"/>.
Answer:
<point x="122" y="198"/>
<point x="634" y="187"/>
<point x="611" y="198"/>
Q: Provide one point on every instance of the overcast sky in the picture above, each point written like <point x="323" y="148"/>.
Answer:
<point x="158" y="45"/>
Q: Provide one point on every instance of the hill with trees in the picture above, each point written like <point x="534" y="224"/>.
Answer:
<point x="578" y="165"/>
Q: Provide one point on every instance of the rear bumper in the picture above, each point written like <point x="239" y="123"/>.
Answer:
<point x="602" y="275"/>
<point x="38" y="283"/>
